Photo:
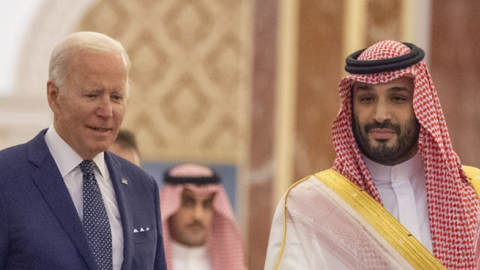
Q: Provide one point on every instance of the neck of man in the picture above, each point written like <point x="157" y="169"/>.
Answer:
<point x="182" y="250"/>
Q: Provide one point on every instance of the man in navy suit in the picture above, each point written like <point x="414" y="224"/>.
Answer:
<point x="43" y="221"/>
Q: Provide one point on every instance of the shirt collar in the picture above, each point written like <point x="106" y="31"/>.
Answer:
<point x="65" y="157"/>
<point x="187" y="252"/>
<point x="383" y="172"/>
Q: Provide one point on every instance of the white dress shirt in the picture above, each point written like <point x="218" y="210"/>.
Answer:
<point x="187" y="258"/>
<point x="404" y="194"/>
<point x="68" y="162"/>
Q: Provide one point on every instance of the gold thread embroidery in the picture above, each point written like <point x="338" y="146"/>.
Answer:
<point x="384" y="223"/>
<point x="474" y="176"/>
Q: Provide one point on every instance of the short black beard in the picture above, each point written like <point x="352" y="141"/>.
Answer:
<point x="404" y="149"/>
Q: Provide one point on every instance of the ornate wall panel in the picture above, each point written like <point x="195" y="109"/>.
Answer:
<point x="190" y="76"/>
<point x="455" y="69"/>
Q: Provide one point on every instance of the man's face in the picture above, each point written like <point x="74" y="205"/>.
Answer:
<point x="383" y="121"/>
<point x="89" y="108"/>
<point x="191" y="225"/>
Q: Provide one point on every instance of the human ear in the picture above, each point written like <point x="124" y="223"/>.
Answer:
<point x="52" y="96"/>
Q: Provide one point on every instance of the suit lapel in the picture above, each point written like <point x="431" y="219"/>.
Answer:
<point x="49" y="181"/>
<point x="122" y="189"/>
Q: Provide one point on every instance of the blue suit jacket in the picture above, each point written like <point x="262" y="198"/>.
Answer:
<point x="40" y="227"/>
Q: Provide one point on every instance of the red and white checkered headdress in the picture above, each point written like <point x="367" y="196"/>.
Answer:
<point x="452" y="203"/>
<point x="224" y="244"/>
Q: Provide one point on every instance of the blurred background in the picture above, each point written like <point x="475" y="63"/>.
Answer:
<point x="248" y="87"/>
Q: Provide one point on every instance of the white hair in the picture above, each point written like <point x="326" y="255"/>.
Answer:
<point x="65" y="51"/>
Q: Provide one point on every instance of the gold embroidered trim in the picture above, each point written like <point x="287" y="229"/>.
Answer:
<point x="474" y="176"/>
<point x="383" y="222"/>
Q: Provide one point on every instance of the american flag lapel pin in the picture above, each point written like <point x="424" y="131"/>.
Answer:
<point x="124" y="181"/>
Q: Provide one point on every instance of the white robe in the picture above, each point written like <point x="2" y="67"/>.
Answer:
<point x="188" y="258"/>
<point x="404" y="194"/>
<point x="332" y="235"/>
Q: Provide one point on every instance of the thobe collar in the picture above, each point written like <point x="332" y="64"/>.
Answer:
<point x="383" y="173"/>
<point x="190" y="256"/>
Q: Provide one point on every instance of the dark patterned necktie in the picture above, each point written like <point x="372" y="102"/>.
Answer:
<point x="95" y="219"/>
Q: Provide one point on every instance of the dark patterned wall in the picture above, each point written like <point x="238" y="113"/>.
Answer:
<point x="455" y="68"/>
<point x="319" y="71"/>
<point x="262" y="158"/>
